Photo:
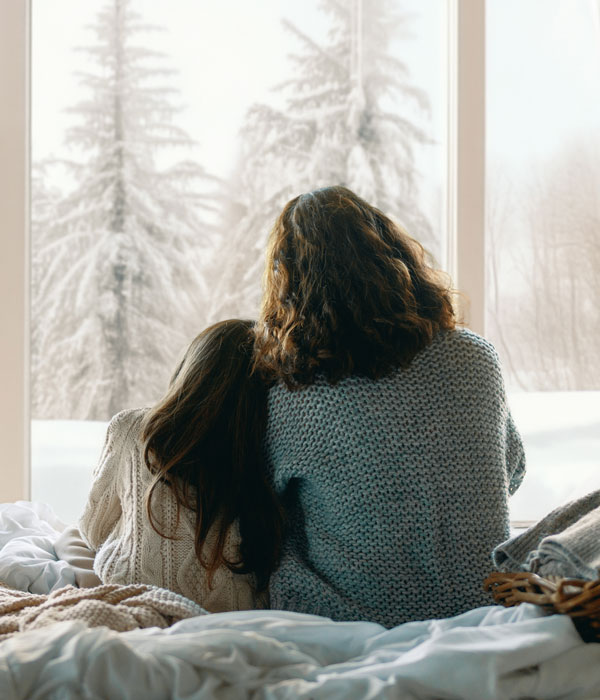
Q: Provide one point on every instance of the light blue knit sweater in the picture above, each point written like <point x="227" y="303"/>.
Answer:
<point x="396" y="490"/>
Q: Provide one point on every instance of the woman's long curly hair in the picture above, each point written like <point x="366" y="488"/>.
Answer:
<point x="347" y="291"/>
<point x="203" y="440"/>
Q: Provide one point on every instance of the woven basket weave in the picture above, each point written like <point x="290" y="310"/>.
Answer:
<point x="576" y="598"/>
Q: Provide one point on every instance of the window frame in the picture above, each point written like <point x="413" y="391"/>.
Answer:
<point x="465" y="175"/>
<point x="14" y="262"/>
<point x="465" y="201"/>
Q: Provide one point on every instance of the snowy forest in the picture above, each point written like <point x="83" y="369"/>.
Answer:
<point x="147" y="246"/>
<point x="135" y="260"/>
<point x="547" y="241"/>
<point x="543" y="212"/>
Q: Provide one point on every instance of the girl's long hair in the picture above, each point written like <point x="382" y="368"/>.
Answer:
<point x="203" y="440"/>
<point x="347" y="291"/>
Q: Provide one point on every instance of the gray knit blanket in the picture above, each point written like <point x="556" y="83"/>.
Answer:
<point x="565" y="543"/>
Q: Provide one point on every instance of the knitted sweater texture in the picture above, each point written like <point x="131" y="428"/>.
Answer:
<point x="396" y="489"/>
<point x="128" y="550"/>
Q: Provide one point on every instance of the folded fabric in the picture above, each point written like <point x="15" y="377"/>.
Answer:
<point x="120" y="608"/>
<point x="565" y="543"/>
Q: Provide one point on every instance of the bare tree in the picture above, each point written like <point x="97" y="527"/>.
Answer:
<point x="504" y="269"/>
<point x="546" y="304"/>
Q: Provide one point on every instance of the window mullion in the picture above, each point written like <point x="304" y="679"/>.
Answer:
<point x="466" y="156"/>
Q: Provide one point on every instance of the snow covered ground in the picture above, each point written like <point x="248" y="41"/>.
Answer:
<point x="63" y="456"/>
<point x="561" y="432"/>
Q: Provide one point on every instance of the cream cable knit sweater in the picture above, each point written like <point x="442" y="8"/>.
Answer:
<point x="115" y="525"/>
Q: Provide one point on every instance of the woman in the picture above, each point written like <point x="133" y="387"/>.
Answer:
<point x="180" y="497"/>
<point x="388" y="436"/>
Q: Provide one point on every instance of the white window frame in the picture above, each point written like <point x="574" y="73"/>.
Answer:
<point x="464" y="204"/>
<point x="465" y="180"/>
<point x="14" y="241"/>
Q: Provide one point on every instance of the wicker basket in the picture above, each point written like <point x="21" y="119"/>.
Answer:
<point x="576" y="598"/>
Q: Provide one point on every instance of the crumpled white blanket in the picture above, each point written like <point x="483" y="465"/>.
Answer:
<point x="28" y="561"/>
<point x="491" y="653"/>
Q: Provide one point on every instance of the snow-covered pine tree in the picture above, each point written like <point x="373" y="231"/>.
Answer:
<point x="348" y="119"/>
<point x="117" y="297"/>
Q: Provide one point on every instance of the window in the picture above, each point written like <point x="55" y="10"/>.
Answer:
<point x="446" y="204"/>
<point x="543" y="237"/>
<point x="148" y="222"/>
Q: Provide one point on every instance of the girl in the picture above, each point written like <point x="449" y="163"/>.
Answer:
<point x="388" y="437"/>
<point x="180" y="499"/>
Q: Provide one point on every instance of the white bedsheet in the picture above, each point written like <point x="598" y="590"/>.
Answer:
<point x="489" y="653"/>
<point x="28" y="562"/>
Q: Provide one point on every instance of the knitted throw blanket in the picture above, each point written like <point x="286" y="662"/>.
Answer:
<point x="565" y="543"/>
<point x="121" y="608"/>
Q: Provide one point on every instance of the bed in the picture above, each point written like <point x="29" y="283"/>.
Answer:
<point x="490" y="652"/>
